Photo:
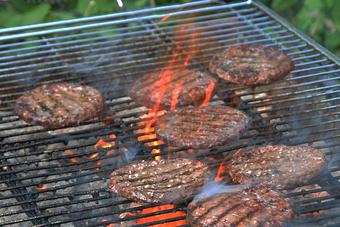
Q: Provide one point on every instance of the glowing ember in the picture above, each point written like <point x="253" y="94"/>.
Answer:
<point x="149" y="115"/>
<point x="144" y="130"/>
<point x="94" y="155"/>
<point x="103" y="144"/>
<point x="70" y="152"/>
<point x="112" y="136"/>
<point x="162" y="217"/>
<point x="154" y="143"/>
<point x="147" y="137"/>
<point x="156" y="151"/>
<point x="219" y="174"/>
<point x="208" y="93"/>
<point x="42" y="187"/>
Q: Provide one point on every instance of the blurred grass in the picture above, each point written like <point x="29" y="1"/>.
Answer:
<point x="320" y="19"/>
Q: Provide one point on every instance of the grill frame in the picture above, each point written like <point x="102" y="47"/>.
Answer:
<point x="28" y="200"/>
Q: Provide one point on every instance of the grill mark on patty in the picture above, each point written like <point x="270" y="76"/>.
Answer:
<point x="163" y="181"/>
<point x="49" y="98"/>
<point x="58" y="105"/>
<point x="197" y="209"/>
<point x="153" y="180"/>
<point x="217" y="218"/>
<point x="201" y="127"/>
<point x="143" y="177"/>
<point x="241" y="209"/>
<point x="248" y="220"/>
<point x="277" y="166"/>
<point x="149" y="168"/>
<point x="251" y="64"/>
<point x="217" y="212"/>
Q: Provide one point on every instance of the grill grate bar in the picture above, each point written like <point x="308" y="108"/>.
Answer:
<point x="83" y="48"/>
<point x="275" y="135"/>
<point x="297" y="77"/>
<point x="124" y="29"/>
<point x="300" y="118"/>
<point x="112" y="23"/>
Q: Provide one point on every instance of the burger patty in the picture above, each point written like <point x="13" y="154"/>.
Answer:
<point x="251" y="64"/>
<point x="164" y="181"/>
<point x="183" y="87"/>
<point x="278" y="166"/>
<point x="59" y="105"/>
<point x="203" y="127"/>
<point x="249" y="208"/>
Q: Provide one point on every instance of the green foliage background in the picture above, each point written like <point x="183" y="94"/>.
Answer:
<point x="318" y="18"/>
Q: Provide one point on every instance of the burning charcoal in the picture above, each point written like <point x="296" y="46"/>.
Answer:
<point x="11" y="209"/>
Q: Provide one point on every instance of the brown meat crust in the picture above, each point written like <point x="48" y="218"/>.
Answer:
<point x="189" y="85"/>
<point x="161" y="182"/>
<point x="203" y="127"/>
<point x="59" y="105"/>
<point x="249" y="208"/>
<point x="251" y="64"/>
<point x="277" y="166"/>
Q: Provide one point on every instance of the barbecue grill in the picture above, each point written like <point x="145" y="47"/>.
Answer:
<point x="59" y="177"/>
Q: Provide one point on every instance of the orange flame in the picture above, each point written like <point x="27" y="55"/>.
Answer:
<point x="220" y="172"/>
<point x="208" y="93"/>
<point x="162" y="217"/>
<point x="92" y="156"/>
<point x="42" y="187"/>
<point x="165" y="18"/>
<point x="70" y="152"/>
<point x="175" y="94"/>
<point x="193" y="49"/>
<point x="154" y="143"/>
<point x="103" y="144"/>
<point x="147" y="137"/>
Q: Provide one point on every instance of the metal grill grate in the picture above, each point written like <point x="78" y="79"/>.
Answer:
<point x="59" y="177"/>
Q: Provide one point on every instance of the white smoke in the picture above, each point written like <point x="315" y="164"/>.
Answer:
<point x="212" y="188"/>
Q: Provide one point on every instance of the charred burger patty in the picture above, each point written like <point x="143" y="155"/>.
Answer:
<point x="278" y="166"/>
<point x="203" y="127"/>
<point x="163" y="181"/>
<point x="251" y="64"/>
<point x="59" y="105"/>
<point x="249" y="208"/>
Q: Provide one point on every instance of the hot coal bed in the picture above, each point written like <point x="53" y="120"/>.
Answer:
<point x="60" y="177"/>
